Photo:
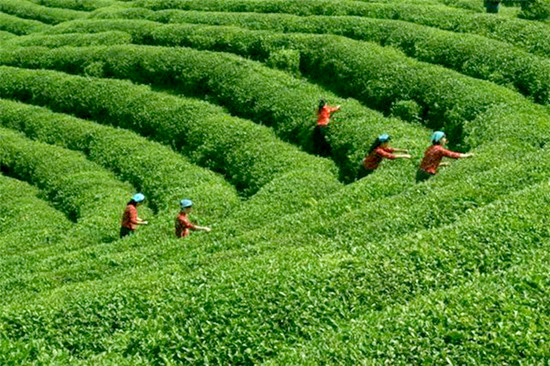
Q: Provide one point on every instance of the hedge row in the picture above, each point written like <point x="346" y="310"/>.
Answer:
<point x="6" y="35"/>
<point x="489" y="320"/>
<point x="375" y="75"/>
<point x="245" y="88"/>
<point x="75" y="39"/>
<point x="28" y="223"/>
<point x="163" y="175"/>
<point x="20" y="26"/>
<point x="249" y="155"/>
<point x="81" y="189"/>
<point x="25" y="215"/>
<point x="472" y="55"/>
<point x="270" y="302"/>
<point x="533" y="36"/>
<point x="29" y="10"/>
<point x="83" y="5"/>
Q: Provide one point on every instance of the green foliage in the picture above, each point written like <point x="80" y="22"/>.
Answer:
<point x="532" y="36"/>
<point x="76" y="39"/>
<point x="245" y="88"/>
<point x="286" y="60"/>
<point x="19" y="26"/>
<point x="306" y="270"/>
<point x="29" y="10"/>
<point x="84" y="5"/>
<point x="249" y="155"/>
<point x="535" y="9"/>
<point x="163" y="175"/>
<point x="82" y="190"/>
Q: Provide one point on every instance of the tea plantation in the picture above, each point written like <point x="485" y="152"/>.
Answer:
<point x="215" y="101"/>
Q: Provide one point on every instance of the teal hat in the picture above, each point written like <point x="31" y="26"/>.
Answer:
<point x="384" y="137"/>
<point x="138" y="197"/>
<point x="437" y="136"/>
<point x="186" y="203"/>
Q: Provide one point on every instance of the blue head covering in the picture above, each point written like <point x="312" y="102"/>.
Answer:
<point x="138" y="197"/>
<point x="186" y="203"/>
<point x="384" y="137"/>
<point x="437" y="136"/>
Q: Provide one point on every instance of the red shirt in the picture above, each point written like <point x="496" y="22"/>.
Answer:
<point x="183" y="225"/>
<point x="323" y="116"/>
<point x="371" y="161"/>
<point x="129" y="217"/>
<point x="433" y="156"/>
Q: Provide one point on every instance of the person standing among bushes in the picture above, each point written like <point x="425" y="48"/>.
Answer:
<point x="130" y="219"/>
<point x="324" y="112"/>
<point x="434" y="154"/>
<point x="379" y="150"/>
<point x="183" y="225"/>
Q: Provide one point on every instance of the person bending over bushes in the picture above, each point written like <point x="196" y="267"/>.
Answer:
<point x="324" y="111"/>
<point x="434" y="154"/>
<point x="183" y="225"/>
<point x="130" y="219"/>
<point x="379" y="150"/>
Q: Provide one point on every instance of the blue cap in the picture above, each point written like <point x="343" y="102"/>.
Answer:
<point x="384" y="137"/>
<point x="138" y="197"/>
<point x="437" y="136"/>
<point x="186" y="203"/>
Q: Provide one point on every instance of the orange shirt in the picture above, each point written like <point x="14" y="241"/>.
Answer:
<point x="323" y="117"/>
<point x="372" y="160"/>
<point x="183" y="225"/>
<point x="130" y="217"/>
<point x="433" y="156"/>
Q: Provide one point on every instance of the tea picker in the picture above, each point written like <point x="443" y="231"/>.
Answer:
<point x="183" y="224"/>
<point x="324" y="112"/>
<point x="379" y="150"/>
<point x="434" y="154"/>
<point x="130" y="219"/>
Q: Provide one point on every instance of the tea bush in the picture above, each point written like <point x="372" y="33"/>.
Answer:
<point x="85" y="192"/>
<point x="29" y="10"/>
<point x="150" y="167"/>
<point x="533" y="36"/>
<point x="245" y="88"/>
<point x="76" y="39"/>
<point x="19" y="26"/>
<point x="249" y="155"/>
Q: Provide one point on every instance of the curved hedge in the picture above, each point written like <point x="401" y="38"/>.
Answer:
<point x="28" y="10"/>
<point x="83" y="5"/>
<point x="20" y="26"/>
<point x="150" y="167"/>
<point x="82" y="190"/>
<point x="472" y="55"/>
<point x="250" y="155"/>
<point x="76" y="39"/>
<point x="533" y="36"/>
<point x="271" y="302"/>
<point x="245" y="88"/>
<point x="375" y="75"/>
<point x="6" y="35"/>
<point x="513" y="298"/>
<point x="28" y="223"/>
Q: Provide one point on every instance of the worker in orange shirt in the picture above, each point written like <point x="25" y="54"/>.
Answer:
<point x="324" y="112"/>
<point x="379" y="150"/>
<point x="433" y="156"/>
<point x="183" y="224"/>
<point x="130" y="219"/>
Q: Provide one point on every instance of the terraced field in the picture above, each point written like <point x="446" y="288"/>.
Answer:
<point x="305" y="264"/>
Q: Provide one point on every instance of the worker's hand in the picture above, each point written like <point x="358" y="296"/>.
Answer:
<point x="468" y="155"/>
<point x="406" y="156"/>
<point x="207" y="229"/>
<point x="144" y="222"/>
